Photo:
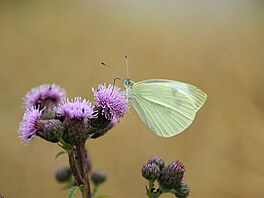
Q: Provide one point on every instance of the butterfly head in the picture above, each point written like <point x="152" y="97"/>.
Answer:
<point x="127" y="82"/>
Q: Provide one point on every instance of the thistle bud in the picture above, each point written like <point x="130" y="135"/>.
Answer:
<point x="50" y="130"/>
<point x="99" y="132"/>
<point x="157" y="160"/>
<point x="183" y="190"/>
<point x="98" y="177"/>
<point x="171" y="175"/>
<point x="63" y="174"/>
<point x="76" y="131"/>
<point x="150" y="171"/>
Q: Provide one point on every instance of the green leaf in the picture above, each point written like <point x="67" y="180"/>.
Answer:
<point x="82" y="186"/>
<point x="59" y="154"/>
<point x="72" y="191"/>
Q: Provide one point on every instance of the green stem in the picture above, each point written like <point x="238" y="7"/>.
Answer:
<point x="95" y="190"/>
<point x="150" y="189"/>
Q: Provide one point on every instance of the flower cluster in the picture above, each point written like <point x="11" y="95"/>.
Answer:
<point x="169" y="177"/>
<point x="52" y="116"/>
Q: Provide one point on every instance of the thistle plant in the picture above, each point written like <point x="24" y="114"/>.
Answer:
<point x="50" y="115"/>
<point x="169" y="178"/>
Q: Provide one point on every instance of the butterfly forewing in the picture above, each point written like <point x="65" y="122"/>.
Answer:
<point x="196" y="96"/>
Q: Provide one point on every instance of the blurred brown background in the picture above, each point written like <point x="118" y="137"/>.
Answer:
<point x="216" y="45"/>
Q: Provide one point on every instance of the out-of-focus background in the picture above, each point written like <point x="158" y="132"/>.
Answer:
<point x="216" y="45"/>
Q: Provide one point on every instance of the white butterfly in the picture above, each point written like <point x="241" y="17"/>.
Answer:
<point x="167" y="107"/>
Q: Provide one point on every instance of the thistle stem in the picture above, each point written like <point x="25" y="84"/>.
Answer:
<point x="75" y="172"/>
<point x="81" y="162"/>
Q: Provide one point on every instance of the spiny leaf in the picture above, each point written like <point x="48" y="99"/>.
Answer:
<point x="72" y="191"/>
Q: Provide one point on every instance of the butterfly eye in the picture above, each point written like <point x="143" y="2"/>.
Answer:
<point x="127" y="82"/>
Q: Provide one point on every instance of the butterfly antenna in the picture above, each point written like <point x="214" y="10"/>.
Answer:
<point x="116" y="79"/>
<point x="115" y="84"/>
<point x="104" y="64"/>
<point x="127" y="73"/>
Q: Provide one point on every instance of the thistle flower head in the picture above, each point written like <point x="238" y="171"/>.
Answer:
<point x="171" y="175"/>
<point x="46" y="92"/>
<point x="75" y="113"/>
<point x="28" y="125"/>
<point x="111" y="101"/>
<point x="75" y="109"/>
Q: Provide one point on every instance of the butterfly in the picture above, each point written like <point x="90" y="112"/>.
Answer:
<point x="167" y="107"/>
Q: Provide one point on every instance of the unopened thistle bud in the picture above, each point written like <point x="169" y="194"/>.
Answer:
<point x="63" y="174"/>
<point x="150" y="171"/>
<point x="50" y="130"/>
<point x="98" y="177"/>
<point x="171" y="175"/>
<point x="157" y="160"/>
<point x="183" y="190"/>
<point x="100" y="132"/>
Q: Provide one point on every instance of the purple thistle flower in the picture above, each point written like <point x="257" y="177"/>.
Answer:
<point x="111" y="101"/>
<point x="76" y="109"/>
<point x="39" y="95"/>
<point x="28" y="125"/>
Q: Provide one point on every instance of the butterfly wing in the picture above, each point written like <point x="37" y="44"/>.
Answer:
<point x="167" y="107"/>
<point x="196" y="96"/>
